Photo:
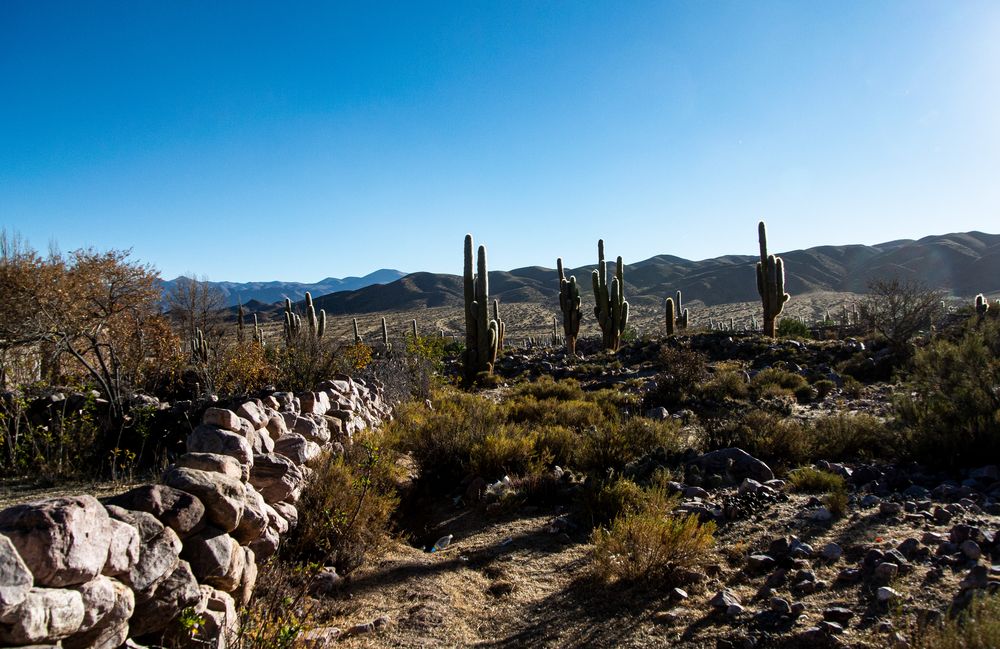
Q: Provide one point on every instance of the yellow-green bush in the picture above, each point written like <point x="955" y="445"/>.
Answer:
<point x="775" y="382"/>
<point x="725" y="384"/>
<point x="615" y="443"/>
<point x="813" y="481"/>
<point x="779" y="441"/>
<point x="978" y="627"/>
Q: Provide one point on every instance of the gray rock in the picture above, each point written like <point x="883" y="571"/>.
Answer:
<point x="222" y="418"/>
<point x="177" y="509"/>
<point x="63" y="541"/>
<point x="255" y="518"/>
<point x="215" y="558"/>
<point x="831" y="552"/>
<point x="886" y="572"/>
<point x="760" y="562"/>
<point x="211" y="439"/>
<point x="838" y="614"/>
<point x="275" y="476"/>
<point x="111" y="630"/>
<point x="971" y="549"/>
<point x="15" y="577"/>
<point x="99" y="597"/>
<point x="781" y="606"/>
<point x="156" y="608"/>
<point x="223" y="496"/>
<point x="724" y="599"/>
<point x="288" y="511"/>
<point x="296" y="448"/>
<point x="886" y="594"/>
<point x="123" y="552"/>
<point x="46" y="615"/>
<point x="253" y="413"/>
<point x="211" y="462"/>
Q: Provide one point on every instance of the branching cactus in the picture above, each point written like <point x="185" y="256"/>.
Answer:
<point x="317" y="326"/>
<point x="612" y="309"/>
<point x="671" y="316"/>
<point x="199" y="347"/>
<point x="770" y="284"/>
<point x="293" y="323"/>
<point x="682" y="313"/>
<point x="258" y="333"/>
<point x="982" y="304"/>
<point x="569" y="303"/>
<point x="482" y="334"/>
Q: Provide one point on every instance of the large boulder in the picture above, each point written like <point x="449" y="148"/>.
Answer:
<point x="111" y="630"/>
<point x="213" y="439"/>
<point x="63" y="541"/>
<point x="265" y="545"/>
<point x="275" y="476"/>
<point x="211" y="462"/>
<point x="254" y="518"/>
<point x="159" y="549"/>
<point x="179" y="510"/>
<point x="220" y="617"/>
<point x="263" y="443"/>
<point x="276" y="425"/>
<point x="156" y="608"/>
<point x="288" y="511"/>
<point x="124" y="551"/>
<point x="222" y="418"/>
<point x="313" y="428"/>
<point x="46" y="615"/>
<point x="216" y="559"/>
<point x="734" y="464"/>
<point x="244" y="591"/>
<point x="296" y="448"/>
<point x="222" y="495"/>
<point x="15" y="578"/>
<point x="99" y="597"/>
<point x="253" y="413"/>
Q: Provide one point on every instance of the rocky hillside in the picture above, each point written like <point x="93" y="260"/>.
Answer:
<point x="963" y="264"/>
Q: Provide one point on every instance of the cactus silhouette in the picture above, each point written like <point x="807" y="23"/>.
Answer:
<point x="612" y="309"/>
<point x="770" y="283"/>
<point x="569" y="303"/>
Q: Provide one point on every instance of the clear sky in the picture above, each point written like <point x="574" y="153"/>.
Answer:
<point x="295" y="141"/>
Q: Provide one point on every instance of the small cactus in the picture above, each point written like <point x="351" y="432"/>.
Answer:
<point x="413" y="324"/>
<point x="612" y="309"/>
<point x="569" y="304"/>
<point x="258" y="333"/>
<point x="982" y="305"/>
<point x="770" y="283"/>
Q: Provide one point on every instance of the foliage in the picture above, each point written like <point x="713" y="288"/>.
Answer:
<point x="648" y="543"/>
<point x="682" y="370"/>
<point x="345" y="508"/>
<point x="616" y="442"/>
<point x="897" y="309"/>
<point x="67" y="445"/>
<point x="978" y="627"/>
<point x="811" y="480"/>
<point x="777" y="440"/>
<point x="243" y="368"/>
<point x="725" y="384"/>
<point x="775" y="382"/>
<point x="853" y="436"/>
<point x="951" y="403"/>
<point x="792" y="328"/>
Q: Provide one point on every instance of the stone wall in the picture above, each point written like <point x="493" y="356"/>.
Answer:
<point x="83" y="573"/>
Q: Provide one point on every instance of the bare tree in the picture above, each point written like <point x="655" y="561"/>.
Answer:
<point x="897" y="309"/>
<point x="194" y="304"/>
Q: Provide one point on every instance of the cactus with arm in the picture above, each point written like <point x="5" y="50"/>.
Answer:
<point x="569" y="303"/>
<point x="612" y="309"/>
<point x="482" y="334"/>
<point x="770" y="283"/>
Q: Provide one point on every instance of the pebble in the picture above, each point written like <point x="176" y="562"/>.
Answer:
<point x="886" y="594"/>
<point x="831" y="552"/>
<point x="971" y="549"/>
<point x="838" y="614"/>
<point x="781" y="606"/>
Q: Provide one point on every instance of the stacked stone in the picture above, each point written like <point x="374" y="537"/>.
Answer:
<point x="92" y="575"/>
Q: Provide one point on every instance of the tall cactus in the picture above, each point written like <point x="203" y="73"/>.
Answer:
<point x="670" y="317"/>
<point x="682" y="313"/>
<point x="501" y="325"/>
<point x="413" y="324"/>
<point x="385" y="338"/>
<point x="258" y="333"/>
<point x="482" y="334"/>
<point x="612" y="309"/>
<point x="770" y="284"/>
<point x="199" y="347"/>
<point x="357" y="334"/>
<point x="569" y="303"/>
<point x="293" y="323"/>
<point x="982" y="304"/>
<point x="317" y="325"/>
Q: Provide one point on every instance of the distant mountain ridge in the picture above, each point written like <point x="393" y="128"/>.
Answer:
<point x="275" y="291"/>
<point x="962" y="264"/>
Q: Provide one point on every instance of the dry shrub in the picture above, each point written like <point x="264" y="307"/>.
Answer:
<point x="978" y="627"/>
<point x="783" y="442"/>
<point x="772" y="382"/>
<point x="345" y="509"/>
<point x="615" y="443"/>
<point x="545" y="387"/>
<point x="857" y="436"/>
<point x="682" y="370"/>
<point x="607" y="500"/>
<point x="810" y="480"/>
<point x="651" y="543"/>
<point x="725" y="384"/>
<point x="508" y="450"/>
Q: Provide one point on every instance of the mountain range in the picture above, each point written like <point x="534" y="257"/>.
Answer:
<point x="962" y="264"/>
<point x="268" y="293"/>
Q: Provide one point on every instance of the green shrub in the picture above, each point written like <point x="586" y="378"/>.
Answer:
<point x="606" y="500"/>
<point x="823" y="388"/>
<point x="951" y="401"/>
<point x="810" y="480"/>
<point x="345" y="509"/>
<point x="651" y="547"/>
<point x="560" y="443"/>
<point x="725" y="384"/>
<point x="546" y="387"/>
<point x="852" y="388"/>
<point x="682" y="370"/>
<point x="806" y="394"/>
<point x="508" y="450"/>
<point x="615" y="443"/>
<point x="853" y="436"/>
<point x="777" y="440"/>
<point x="772" y="382"/>
<point x="791" y="328"/>
<point x="978" y="627"/>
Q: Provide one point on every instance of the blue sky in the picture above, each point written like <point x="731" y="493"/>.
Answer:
<point x="294" y="141"/>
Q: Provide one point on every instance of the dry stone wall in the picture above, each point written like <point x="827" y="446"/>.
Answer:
<point x="76" y="572"/>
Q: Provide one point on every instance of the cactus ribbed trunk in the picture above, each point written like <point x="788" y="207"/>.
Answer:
<point x="670" y="316"/>
<point x="612" y="309"/>
<point x="569" y="303"/>
<point x="770" y="284"/>
<point x="483" y="334"/>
